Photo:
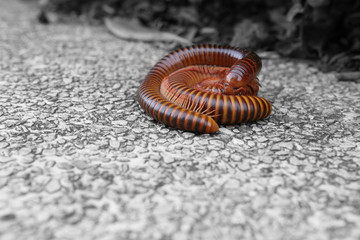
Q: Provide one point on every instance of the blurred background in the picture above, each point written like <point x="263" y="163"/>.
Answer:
<point x="327" y="31"/>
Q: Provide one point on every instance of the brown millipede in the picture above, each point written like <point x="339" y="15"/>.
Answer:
<point x="197" y="87"/>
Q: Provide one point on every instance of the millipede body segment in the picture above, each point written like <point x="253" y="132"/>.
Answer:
<point x="199" y="87"/>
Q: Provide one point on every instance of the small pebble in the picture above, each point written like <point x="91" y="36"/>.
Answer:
<point x="53" y="186"/>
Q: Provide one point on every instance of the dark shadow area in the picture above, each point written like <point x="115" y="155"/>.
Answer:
<point x="325" y="30"/>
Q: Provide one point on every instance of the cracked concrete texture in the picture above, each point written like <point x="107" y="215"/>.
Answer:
<point x="79" y="159"/>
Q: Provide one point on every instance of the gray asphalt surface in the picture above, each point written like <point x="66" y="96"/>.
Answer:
<point x="79" y="159"/>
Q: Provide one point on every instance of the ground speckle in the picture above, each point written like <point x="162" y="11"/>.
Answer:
<point x="79" y="159"/>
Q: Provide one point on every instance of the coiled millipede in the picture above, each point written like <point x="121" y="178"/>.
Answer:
<point x="196" y="88"/>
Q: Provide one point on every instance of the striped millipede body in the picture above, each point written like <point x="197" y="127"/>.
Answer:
<point x="196" y="88"/>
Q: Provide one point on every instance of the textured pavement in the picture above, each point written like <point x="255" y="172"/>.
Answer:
<point x="79" y="159"/>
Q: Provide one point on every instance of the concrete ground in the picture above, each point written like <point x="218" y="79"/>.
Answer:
<point x="79" y="159"/>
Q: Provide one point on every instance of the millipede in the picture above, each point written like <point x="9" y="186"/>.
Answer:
<point x="196" y="88"/>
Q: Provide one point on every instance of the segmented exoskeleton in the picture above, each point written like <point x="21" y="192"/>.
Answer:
<point x="197" y="87"/>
